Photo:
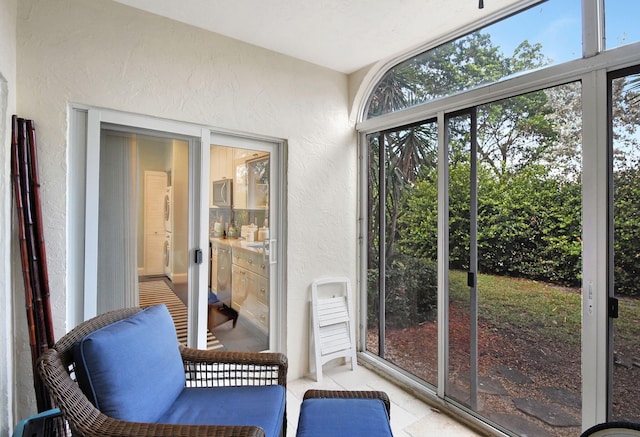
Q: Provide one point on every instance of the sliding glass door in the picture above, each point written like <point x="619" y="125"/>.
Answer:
<point x="521" y="292"/>
<point x="624" y="306"/>
<point x="513" y="244"/>
<point x="151" y="214"/>
<point x="403" y="234"/>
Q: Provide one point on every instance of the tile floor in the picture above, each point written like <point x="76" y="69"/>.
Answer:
<point x="410" y="417"/>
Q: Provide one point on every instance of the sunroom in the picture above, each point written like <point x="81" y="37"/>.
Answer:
<point x="478" y="187"/>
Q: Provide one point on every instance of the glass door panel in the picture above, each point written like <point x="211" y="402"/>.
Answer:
<point x="515" y="199"/>
<point x="402" y="307"/>
<point x="144" y="223"/>
<point x="459" y="376"/>
<point x="375" y="224"/>
<point x="625" y="335"/>
<point x="240" y="274"/>
<point x="529" y="261"/>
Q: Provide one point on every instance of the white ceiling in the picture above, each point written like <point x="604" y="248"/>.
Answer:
<point x="343" y="35"/>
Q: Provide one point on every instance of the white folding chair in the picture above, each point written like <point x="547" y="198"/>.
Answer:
<point x="333" y="330"/>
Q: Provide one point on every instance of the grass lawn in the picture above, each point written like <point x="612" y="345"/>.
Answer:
<point x="551" y="310"/>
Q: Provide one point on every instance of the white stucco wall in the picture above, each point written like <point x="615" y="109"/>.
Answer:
<point x="105" y="54"/>
<point x="7" y="108"/>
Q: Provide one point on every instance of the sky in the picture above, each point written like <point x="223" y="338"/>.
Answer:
<point x="556" y="24"/>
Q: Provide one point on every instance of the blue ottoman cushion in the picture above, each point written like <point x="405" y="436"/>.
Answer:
<point x="132" y="369"/>
<point x="261" y="406"/>
<point x="343" y="417"/>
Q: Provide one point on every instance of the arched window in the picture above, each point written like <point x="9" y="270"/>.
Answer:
<point x="546" y="34"/>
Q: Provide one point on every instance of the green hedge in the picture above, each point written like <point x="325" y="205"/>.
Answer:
<point x="627" y="231"/>
<point x="410" y="295"/>
<point x="529" y="225"/>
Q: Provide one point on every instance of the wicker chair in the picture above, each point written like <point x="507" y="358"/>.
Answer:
<point x="203" y="368"/>
<point x="613" y="429"/>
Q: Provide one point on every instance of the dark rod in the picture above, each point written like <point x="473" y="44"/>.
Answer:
<point x="24" y="258"/>
<point x="27" y="203"/>
<point x="42" y="398"/>
<point x="37" y="209"/>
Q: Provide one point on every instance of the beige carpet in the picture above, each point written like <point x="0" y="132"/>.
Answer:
<point x="156" y="292"/>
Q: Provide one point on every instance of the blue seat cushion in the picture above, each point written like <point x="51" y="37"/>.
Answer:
<point x="261" y="406"/>
<point x="132" y="369"/>
<point x="343" y="417"/>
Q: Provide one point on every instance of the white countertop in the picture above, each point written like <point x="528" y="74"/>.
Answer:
<point x="240" y="243"/>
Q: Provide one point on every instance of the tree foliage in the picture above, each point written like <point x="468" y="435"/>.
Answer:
<point x="515" y="133"/>
<point x="453" y="67"/>
<point x="625" y="118"/>
<point x="627" y="230"/>
<point x="412" y="292"/>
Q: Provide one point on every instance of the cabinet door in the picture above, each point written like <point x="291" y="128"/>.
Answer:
<point x="258" y="183"/>
<point x="250" y="297"/>
<point x="255" y="308"/>
<point x="220" y="160"/>
<point x="213" y="284"/>
<point x="239" y="287"/>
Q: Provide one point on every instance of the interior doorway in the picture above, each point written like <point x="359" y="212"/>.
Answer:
<point x="156" y="204"/>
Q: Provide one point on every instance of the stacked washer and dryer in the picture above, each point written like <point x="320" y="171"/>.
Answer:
<point x="168" y="227"/>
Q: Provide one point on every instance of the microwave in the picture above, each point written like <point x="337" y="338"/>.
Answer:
<point x="222" y="193"/>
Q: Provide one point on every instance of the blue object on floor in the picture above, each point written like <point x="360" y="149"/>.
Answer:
<point x="40" y="425"/>
<point x="213" y="299"/>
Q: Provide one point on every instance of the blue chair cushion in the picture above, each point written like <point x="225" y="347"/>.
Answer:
<point x="132" y="369"/>
<point x="261" y="406"/>
<point x="343" y="417"/>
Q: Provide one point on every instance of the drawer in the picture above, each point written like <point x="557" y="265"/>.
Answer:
<point x="239" y="286"/>
<point x="252" y="261"/>
<point x="246" y="284"/>
<point x="218" y="245"/>
<point x="259" y="286"/>
<point x="257" y="313"/>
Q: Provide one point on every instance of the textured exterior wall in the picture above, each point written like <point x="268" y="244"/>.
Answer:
<point x="105" y="54"/>
<point x="7" y="108"/>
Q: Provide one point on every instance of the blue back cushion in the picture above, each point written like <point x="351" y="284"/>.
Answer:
<point x="132" y="369"/>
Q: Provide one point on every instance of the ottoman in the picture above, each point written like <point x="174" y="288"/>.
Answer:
<point x="344" y="413"/>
